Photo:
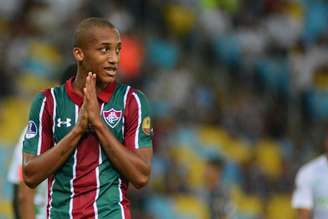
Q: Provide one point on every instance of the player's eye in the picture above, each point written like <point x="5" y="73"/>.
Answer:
<point x="104" y="49"/>
<point x="118" y="49"/>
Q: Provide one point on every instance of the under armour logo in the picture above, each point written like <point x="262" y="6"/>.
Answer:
<point x="67" y="122"/>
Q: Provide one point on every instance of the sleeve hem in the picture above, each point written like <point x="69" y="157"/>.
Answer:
<point x="146" y="146"/>
<point x="28" y="151"/>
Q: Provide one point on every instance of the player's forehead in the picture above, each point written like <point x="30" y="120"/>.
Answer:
<point x="104" y="35"/>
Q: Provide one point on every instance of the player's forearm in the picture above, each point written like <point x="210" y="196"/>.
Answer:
<point x="136" y="169"/>
<point x="38" y="168"/>
<point x="26" y="202"/>
<point x="303" y="213"/>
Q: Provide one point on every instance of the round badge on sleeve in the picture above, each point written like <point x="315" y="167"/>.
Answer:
<point x="146" y="126"/>
<point x="31" y="131"/>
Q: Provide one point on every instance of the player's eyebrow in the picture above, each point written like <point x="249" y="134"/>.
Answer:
<point x="109" y="44"/>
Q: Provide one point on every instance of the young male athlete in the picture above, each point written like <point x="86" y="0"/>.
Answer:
<point x="91" y="136"/>
<point x="27" y="203"/>
<point x="310" y="197"/>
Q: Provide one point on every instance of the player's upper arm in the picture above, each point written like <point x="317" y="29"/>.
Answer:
<point x="38" y="136"/>
<point x="303" y="196"/>
<point x="137" y="127"/>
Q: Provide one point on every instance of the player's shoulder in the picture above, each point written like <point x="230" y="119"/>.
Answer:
<point x="121" y="87"/>
<point x="46" y="94"/>
<point x="46" y="91"/>
<point x="130" y="91"/>
<point x="53" y="91"/>
<point x="313" y="165"/>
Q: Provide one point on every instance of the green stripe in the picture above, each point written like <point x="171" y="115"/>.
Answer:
<point x="144" y="139"/>
<point x="108" y="202"/>
<point x="31" y="145"/>
<point x="109" y="196"/>
<point x="117" y="103"/>
<point x="65" y="108"/>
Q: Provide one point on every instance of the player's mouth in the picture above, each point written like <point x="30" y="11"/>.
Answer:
<point x="111" y="71"/>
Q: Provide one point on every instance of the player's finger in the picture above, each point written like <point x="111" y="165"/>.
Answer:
<point x="93" y="81"/>
<point x="87" y="83"/>
<point x="86" y="94"/>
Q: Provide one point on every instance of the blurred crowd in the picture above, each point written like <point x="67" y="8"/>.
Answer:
<point x="238" y="88"/>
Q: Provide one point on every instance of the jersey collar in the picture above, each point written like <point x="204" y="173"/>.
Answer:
<point x="104" y="95"/>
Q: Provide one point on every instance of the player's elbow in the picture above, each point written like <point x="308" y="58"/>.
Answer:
<point x="30" y="182"/>
<point x="29" y="179"/>
<point x="141" y="182"/>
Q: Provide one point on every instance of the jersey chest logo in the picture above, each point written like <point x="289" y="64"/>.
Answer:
<point x="67" y="123"/>
<point x="112" y="117"/>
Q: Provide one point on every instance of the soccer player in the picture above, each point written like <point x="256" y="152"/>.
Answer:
<point x="27" y="203"/>
<point x="216" y="195"/>
<point x="90" y="137"/>
<point x="310" y="197"/>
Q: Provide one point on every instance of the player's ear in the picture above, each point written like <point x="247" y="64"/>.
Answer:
<point x="78" y="54"/>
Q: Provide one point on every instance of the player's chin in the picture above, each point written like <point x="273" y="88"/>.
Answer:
<point x="107" y="78"/>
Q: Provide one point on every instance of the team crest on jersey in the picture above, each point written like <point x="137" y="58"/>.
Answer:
<point x="112" y="117"/>
<point x="31" y="131"/>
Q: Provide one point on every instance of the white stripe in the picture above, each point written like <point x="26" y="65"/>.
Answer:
<point x="50" y="201"/>
<point x="76" y="113"/>
<point x="102" y="108"/>
<point x="53" y="132"/>
<point x="40" y="126"/>
<point x="136" y="140"/>
<point x="125" y="97"/>
<point x="97" y="174"/>
<point x="54" y="110"/>
<point x="121" y="197"/>
<point x="74" y="169"/>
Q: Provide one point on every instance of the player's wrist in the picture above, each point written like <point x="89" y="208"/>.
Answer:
<point x="95" y="119"/>
<point x="78" y="130"/>
<point x="98" y="124"/>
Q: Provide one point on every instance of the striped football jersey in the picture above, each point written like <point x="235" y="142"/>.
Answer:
<point x="88" y="185"/>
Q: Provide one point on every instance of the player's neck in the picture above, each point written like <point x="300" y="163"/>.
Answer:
<point x="100" y="86"/>
<point x="79" y="82"/>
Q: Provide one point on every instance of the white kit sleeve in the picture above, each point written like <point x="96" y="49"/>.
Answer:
<point x="303" y="194"/>
<point x="16" y="161"/>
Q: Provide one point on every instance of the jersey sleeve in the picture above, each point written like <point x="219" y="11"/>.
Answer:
<point x="138" y="128"/>
<point x="16" y="162"/>
<point x="38" y="136"/>
<point x="302" y="196"/>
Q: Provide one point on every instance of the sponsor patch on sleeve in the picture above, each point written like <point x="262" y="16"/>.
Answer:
<point x="31" y="131"/>
<point x="146" y="126"/>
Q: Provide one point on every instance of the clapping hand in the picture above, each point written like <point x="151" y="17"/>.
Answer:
<point x="90" y="98"/>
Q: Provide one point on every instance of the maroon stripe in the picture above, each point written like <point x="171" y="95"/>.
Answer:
<point x="85" y="183"/>
<point x="49" y="104"/>
<point x="47" y="135"/>
<point x="46" y="120"/>
<point x="131" y="121"/>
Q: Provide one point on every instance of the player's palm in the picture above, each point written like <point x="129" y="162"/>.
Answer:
<point x="82" y="121"/>
<point x="91" y="98"/>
